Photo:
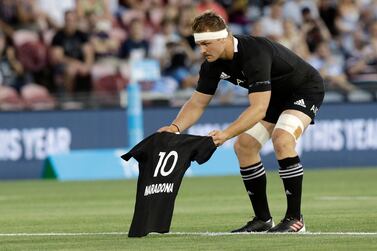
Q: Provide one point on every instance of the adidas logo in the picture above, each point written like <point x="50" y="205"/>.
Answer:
<point x="300" y="102"/>
<point x="250" y="193"/>
<point x="287" y="192"/>
<point x="223" y="75"/>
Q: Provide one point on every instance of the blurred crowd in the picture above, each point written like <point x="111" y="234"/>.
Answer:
<point x="68" y="49"/>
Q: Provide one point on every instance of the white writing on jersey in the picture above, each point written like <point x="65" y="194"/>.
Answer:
<point x="159" y="188"/>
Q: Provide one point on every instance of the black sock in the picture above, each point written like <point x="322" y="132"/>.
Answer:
<point x="291" y="172"/>
<point x="254" y="179"/>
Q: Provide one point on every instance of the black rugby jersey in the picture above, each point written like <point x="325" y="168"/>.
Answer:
<point x="163" y="160"/>
<point x="260" y="65"/>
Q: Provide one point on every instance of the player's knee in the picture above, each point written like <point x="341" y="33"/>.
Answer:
<point x="288" y="123"/>
<point x="246" y="144"/>
<point x="282" y="141"/>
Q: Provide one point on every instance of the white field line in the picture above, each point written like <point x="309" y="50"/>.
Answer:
<point x="331" y="198"/>
<point x="185" y="233"/>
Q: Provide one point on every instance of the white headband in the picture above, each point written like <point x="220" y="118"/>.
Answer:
<point x="210" y="35"/>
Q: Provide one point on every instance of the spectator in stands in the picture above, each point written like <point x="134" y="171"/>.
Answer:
<point x="16" y="15"/>
<point x="129" y="10"/>
<point x="16" y="87"/>
<point x="156" y="14"/>
<point x="180" y="58"/>
<point x="314" y="30"/>
<point x="32" y="52"/>
<point x="162" y="29"/>
<point x="160" y="40"/>
<point x="371" y="49"/>
<point x="135" y="46"/>
<point x="362" y="61"/>
<point x="101" y="8"/>
<point x="256" y="28"/>
<point x="238" y="19"/>
<point x="328" y="11"/>
<point x="292" y="9"/>
<point x="212" y="5"/>
<point x="187" y="14"/>
<point x="294" y="39"/>
<point x="347" y="20"/>
<point x="24" y="23"/>
<point x="272" y="24"/>
<point x="54" y="11"/>
<point x="104" y="45"/>
<point x="348" y="16"/>
<point x="132" y="4"/>
<point x="91" y="11"/>
<point x="368" y="11"/>
<point x="331" y="68"/>
<point x="172" y="10"/>
<point x="72" y="56"/>
<point x="12" y="78"/>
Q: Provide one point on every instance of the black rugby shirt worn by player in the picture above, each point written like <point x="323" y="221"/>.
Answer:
<point x="260" y="65"/>
<point x="163" y="160"/>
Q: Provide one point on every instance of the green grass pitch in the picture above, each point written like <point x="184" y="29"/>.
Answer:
<point x="339" y="207"/>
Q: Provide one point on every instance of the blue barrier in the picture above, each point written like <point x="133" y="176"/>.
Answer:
<point x="134" y="114"/>
<point x="344" y="135"/>
<point x="141" y="70"/>
<point x="27" y="138"/>
<point x="84" y="165"/>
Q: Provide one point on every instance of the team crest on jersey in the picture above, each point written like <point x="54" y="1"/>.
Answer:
<point x="239" y="81"/>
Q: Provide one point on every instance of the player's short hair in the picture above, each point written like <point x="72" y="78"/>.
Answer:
<point x="208" y="21"/>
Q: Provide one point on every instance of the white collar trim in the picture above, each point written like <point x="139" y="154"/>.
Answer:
<point x="235" y="44"/>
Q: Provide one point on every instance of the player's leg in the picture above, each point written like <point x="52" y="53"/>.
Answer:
<point x="288" y="129"/>
<point x="247" y="149"/>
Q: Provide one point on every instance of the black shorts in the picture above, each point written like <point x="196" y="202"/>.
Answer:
<point x="307" y="101"/>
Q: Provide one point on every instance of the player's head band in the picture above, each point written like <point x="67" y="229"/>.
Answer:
<point x="211" y="35"/>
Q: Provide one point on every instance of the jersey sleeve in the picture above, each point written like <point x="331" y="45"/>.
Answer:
<point x="208" y="79"/>
<point x="258" y="72"/>
<point x="139" y="150"/>
<point x="204" y="150"/>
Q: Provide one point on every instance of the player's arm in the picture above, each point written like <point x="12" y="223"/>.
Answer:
<point x="257" y="70"/>
<point x="255" y="112"/>
<point x="190" y="112"/>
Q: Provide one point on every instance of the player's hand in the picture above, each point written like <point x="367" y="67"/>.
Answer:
<point x="218" y="137"/>
<point x="169" y="128"/>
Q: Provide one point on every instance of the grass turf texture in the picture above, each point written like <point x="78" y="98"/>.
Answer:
<point x="337" y="200"/>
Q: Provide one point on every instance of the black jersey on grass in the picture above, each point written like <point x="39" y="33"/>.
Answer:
<point x="163" y="160"/>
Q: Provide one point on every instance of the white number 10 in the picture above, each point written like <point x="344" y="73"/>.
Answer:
<point x="162" y="163"/>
